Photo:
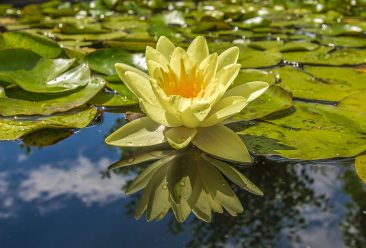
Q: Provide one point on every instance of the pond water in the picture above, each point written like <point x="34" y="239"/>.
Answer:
<point x="62" y="195"/>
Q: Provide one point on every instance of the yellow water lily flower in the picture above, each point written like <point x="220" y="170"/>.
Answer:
<point x="186" y="97"/>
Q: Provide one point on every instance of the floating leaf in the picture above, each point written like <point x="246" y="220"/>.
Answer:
<point x="323" y="56"/>
<point x="13" y="106"/>
<point x="103" y="60"/>
<point x="274" y="99"/>
<point x="12" y="129"/>
<point x="37" y="43"/>
<point x="36" y="74"/>
<point x="313" y="131"/>
<point x="334" y="83"/>
<point x="360" y="167"/>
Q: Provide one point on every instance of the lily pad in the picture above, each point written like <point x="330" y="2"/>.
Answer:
<point x="36" y="74"/>
<point x="103" y="60"/>
<point x="275" y="99"/>
<point x="325" y="56"/>
<point x="313" y="131"/>
<point x="250" y="75"/>
<point x="12" y="129"/>
<point x="333" y="87"/>
<point x="39" y="44"/>
<point x="343" y="41"/>
<point x="360" y="167"/>
<point x="13" y="106"/>
<point x="251" y="58"/>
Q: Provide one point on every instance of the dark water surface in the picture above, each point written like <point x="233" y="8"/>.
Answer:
<point x="60" y="196"/>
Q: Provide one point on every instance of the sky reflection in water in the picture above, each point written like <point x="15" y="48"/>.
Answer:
<point x="60" y="195"/>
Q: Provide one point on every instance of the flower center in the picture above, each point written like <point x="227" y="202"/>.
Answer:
<point x="188" y="84"/>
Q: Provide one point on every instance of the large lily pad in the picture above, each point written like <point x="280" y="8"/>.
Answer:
<point x="313" y="131"/>
<point x="12" y="129"/>
<point x="103" y="60"/>
<point x="14" y="106"/>
<point x="334" y="83"/>
<point x="324" y="56"/>
<point x="39" y="44"/>
<point x="36" y="74"/>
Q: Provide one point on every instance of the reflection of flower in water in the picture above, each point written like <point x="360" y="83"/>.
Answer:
<point x="186" y="181"/>
<point x="48" y="186"/>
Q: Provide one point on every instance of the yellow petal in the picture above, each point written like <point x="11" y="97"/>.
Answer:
<point x="138" y="133"/>
<point x="224" y="78"/>
<point x="153" y="54"/>
<point x="195" y="113"/>
<point x="179" y="55"/>
<point x="228" y="57"/>
<point x="198" y="50"/>
<point x="250" y="91"/>
<point x="165" y="47"/>
<point x="224" y="109"/>
<point x="208" y="66"/>
<point x="180" y="137"/>
<point x="140" y="86"/>
<point x="160" y="115"/>
<point x="123" y="68"/>
<point x="222" y="142"/>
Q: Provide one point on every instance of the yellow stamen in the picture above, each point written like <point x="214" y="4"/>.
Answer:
<point x="188" y="84"/>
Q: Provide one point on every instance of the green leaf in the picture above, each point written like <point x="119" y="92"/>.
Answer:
<point x="327" y="83"/>
<point x="12" y="129"/>
<point x="250" y="75"/>
<point x="39" y="44"/>
<point x="324" y="56"/>
<point x="343" y="41"/>
<point x="313" y="131"/>
<point x="103" y="60"/>
<point x="274" y="99"/>
<point x="36" y="74"/>
<point x="250" y="58"/>
<point x="13" y="106"/>
<point x="360" y="167"/>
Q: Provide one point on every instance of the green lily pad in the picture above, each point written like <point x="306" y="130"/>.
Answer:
<point x="250" y="75"/>
<point x="343" y="41"/>
<point x="90" y="37"/>
<point x="298" y="46"/>
<point x="132" y="46"/>
<point x="266" y="45"/>
<point x="109" y="99"/>
<point x="2" y="92"/>
<point x="324" y="56"/>
<point x="103" y="60"/>
<point x="13" y="106"/>
<point x="360" y="167"/>
<point x="336" y="83"/>
<point x="275" y="99"/>
<point x="313" y="131"/>
<point x="251" y="58"/>
<point x="36" y="74"/>
<point x="12" y="129"/>
<point x="37" y="43"/>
